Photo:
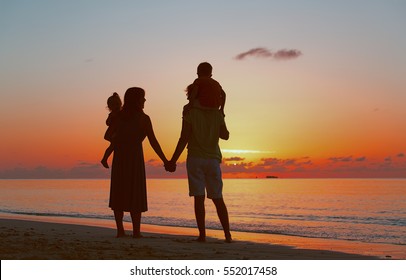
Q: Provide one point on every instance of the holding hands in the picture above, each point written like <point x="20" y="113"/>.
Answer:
<point x="170" y="166"/>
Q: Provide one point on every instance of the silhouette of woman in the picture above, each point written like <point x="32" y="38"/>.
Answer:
<point x="128" y="192"/>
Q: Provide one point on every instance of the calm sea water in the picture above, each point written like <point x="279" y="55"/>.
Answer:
<point x="368" y="210"/>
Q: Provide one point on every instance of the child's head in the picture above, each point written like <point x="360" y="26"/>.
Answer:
<point x="204" y="69"/>
<point x="189" y="90"/>
<point x="114" y="102"/>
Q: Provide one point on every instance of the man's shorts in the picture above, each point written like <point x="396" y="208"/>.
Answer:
<point x="204" y="174"/>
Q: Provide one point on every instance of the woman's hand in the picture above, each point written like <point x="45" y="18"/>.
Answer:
<point x="170" y="166"/>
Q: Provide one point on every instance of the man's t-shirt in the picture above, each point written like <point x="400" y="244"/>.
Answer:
<point x="204" y="141"/>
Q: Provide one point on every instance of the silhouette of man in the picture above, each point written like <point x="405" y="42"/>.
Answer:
<point x="201" y="131"/>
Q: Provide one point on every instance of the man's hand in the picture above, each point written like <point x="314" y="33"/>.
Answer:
<point x="224" y="133"/>
<point x="170" y="166"/>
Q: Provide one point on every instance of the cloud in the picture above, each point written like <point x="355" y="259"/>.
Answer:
<point x="259" y="52"/>
<point x="281" y="166"/>
<point x="81" y="170"/>
<point x="88" y="170"/>
<point x="39" y="172"/>
<point x="287" y="54"/>
<point x="347" y="159"/>
<point x="300" y="167"/>
<point x="242" y="167"/>
<point x="236" y="166"/>
<point x="234" y="159"/>
<point x="361" y="159"/>
<point x="341" y="159"/>
<point x="265" y="53"/>
<point x="292" y="162"/>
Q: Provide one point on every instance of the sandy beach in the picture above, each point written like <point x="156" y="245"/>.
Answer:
<point x="47" y="238"/>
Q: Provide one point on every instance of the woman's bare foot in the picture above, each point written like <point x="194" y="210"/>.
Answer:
<point x="137" y="235"/>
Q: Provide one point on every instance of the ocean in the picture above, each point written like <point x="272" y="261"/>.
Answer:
<point x="366" y="210"/>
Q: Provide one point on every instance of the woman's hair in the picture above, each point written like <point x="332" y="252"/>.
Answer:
<point x="114" y="102"/>
<point x="133" y="100"/>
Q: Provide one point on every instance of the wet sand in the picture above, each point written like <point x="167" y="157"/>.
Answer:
<point x="47" y="238"/>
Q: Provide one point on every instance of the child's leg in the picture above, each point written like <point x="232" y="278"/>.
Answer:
<point x="107" y="153"/>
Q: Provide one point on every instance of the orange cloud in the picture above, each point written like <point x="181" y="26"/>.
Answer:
<point x="392" y="166"/>
<point x="234" y="159"/>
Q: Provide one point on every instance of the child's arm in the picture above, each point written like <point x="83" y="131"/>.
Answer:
<point x="223" y="101"/>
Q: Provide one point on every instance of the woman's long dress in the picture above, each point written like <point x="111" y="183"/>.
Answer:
<point x="128" y="190"/>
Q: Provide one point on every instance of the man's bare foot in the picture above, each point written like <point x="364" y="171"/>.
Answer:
<point x="104" y="163"/>
<point x="201" y="239"/>
<point x="121" y="234"/>
<point x="228" y="238"/>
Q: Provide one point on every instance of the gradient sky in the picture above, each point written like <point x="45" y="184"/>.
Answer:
<point x="337" y="109"/>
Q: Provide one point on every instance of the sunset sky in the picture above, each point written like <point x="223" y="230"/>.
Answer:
<point x="314" y="88"/>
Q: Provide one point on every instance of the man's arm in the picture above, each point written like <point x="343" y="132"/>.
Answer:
<point x="224" y="133"/>
<point x="183" y="140"/>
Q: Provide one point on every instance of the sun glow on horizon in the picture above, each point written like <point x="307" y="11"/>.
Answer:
<point x="237" y="151"/>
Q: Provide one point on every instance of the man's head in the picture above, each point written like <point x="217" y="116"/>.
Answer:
<point x="204" y="69"/>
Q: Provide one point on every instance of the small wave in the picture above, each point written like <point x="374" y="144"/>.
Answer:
<point x="389" y="221"/>
<point x="66" y="215"/>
